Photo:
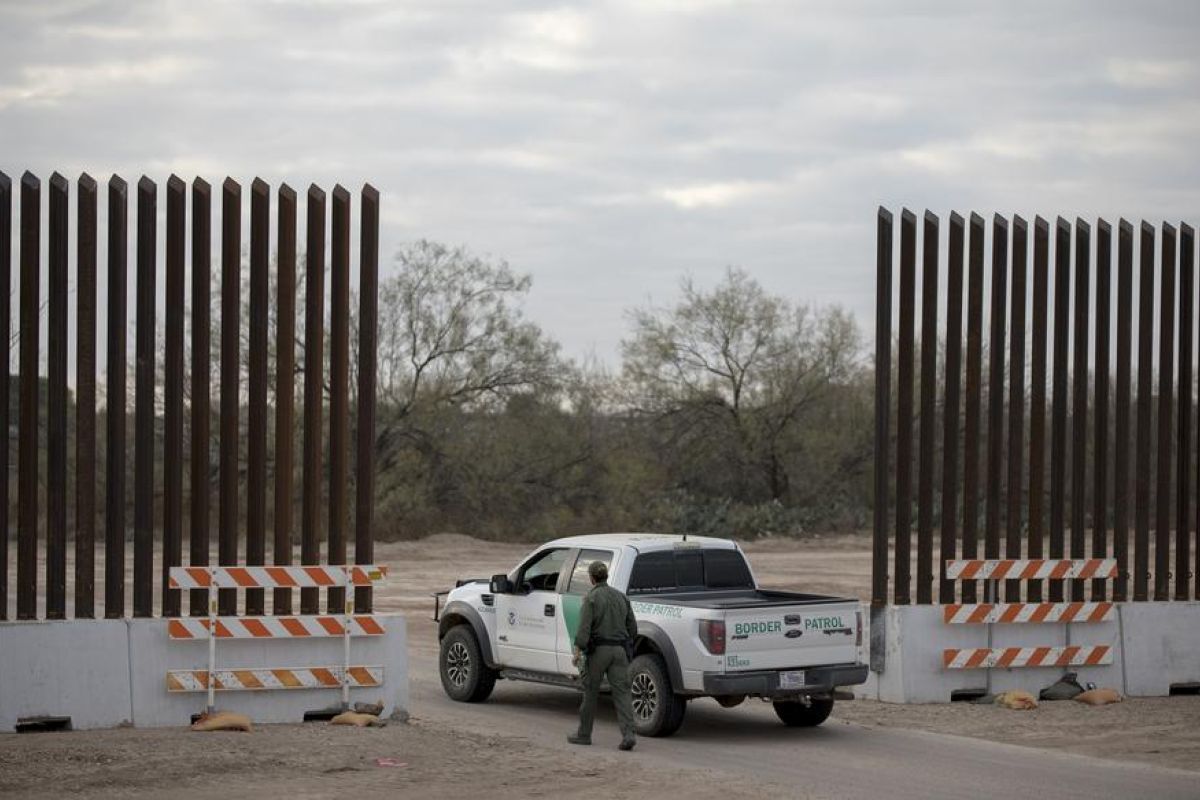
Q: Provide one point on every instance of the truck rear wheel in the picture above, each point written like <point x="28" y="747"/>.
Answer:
<point x="465" y="677"/>
<point x="796" y="714"/>
<point x="657" y="710"/>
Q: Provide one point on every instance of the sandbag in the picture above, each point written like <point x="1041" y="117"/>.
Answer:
<point x="1016" y="699"/>
<point x="1098" y="697"/>
<point x="357" y="720"/>
<point x="222" y="721"/>
<point x="1065" y="688"/>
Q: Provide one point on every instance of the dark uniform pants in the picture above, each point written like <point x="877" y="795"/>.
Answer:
<point x="611" y="661"/>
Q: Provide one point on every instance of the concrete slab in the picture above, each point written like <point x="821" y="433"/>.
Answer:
<point x="73" y="668"/>
<point x="152" y="654"/>
<point x="1155" y="646"/>
<point x="104" y="673"/>
<point x="1161" y="646"/>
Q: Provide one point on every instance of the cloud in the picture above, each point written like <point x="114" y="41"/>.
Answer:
<point x="607" y="148"/>
<point x="50" y="84"/>
<point x="711" y="195"/>
<point x="1150" y="73"/>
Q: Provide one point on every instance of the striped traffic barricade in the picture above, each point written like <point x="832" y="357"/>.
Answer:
<point x="988" y="657"/>
<point x="1030" y="569"/>
<point x="994" y="570"/>
<point x="346" y="625"/>
<point x="1011" y="613"/>
<point x="196" y="680"/>
<point x="268" y="577"/>
<point x="185" y="628"/>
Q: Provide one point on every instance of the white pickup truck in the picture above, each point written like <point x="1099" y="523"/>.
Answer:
<point x="705" y="629"/>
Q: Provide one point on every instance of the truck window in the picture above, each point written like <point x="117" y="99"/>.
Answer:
<point x="653" y="572"/>
<point x="726" y="569"/>
<point x="540" y="573"/>
<point x="580" y="580"/>
<point x="689" y="570"/>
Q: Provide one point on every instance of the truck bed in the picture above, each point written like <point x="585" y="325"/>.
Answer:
<point x="734" y="599"/>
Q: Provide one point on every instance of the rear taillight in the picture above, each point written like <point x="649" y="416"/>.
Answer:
<point x="858" y="628"/>
<point x="712" y="634"/>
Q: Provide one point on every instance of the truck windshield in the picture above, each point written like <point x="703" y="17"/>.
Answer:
<point x="689" y="570"/>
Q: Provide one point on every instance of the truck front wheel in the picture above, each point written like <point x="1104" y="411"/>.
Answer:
<point x="465" y="677"/>
<point x="657" y="710"/>
<point x="796" y="714"/>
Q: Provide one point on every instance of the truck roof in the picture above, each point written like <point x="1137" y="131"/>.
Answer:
<point x="642" y="542"/>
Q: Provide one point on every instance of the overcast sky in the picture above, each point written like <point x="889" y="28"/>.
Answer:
<point x="609" y="148"/>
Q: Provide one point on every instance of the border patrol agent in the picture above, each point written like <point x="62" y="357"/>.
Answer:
<point x="606" y="628"/>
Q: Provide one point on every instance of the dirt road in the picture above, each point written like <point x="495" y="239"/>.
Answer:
<point x="839" y="759"/>
<point x="867" y="748"/>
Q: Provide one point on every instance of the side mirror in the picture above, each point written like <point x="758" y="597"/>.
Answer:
<point x="501" y="584"/>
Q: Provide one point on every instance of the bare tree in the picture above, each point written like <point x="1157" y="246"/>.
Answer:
<point x="731" y="374"/>
<point x="450" y="332"/>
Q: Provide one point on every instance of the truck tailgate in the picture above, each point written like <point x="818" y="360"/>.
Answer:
<point x="782" y="637"/>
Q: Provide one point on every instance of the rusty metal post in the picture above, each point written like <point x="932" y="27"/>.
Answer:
<point x="1183" y="517"/>
<point x="995" y="448"/>
<point x="314" y="365"/>
<point x="1058" y="412"/>
<point x="173" y="394"/>
<point x="1103" y="354"/>
<point x="368" y="315"/>
<point x="1141" y="535"/>
<point x="199" y="535"/>
<point x="951" y="414"/>
<point x="1079" y="415"/>
<point x="1016" y="402"/>
<point x="1166" y="403"/>
<point x="929" y="381"/>
<point x="143" y="434"/>
<point x="339" y="386"/>
<point x="904" y="408"/>
<point x="231" y="302"/>
<point x="883" y="402"/>
<point x="285" y="388"/>
<point x="6" y="370"/>
<point x="114" y="468"/>
<point x="56" y="417"/>
<point x="27" y="446"/>
<point x="1037" y="401"/>
<point x="1123" y="397"/>
<point x="85" y="400"/>
<point x="970" y="528"/>
<point x="256" y="444"/>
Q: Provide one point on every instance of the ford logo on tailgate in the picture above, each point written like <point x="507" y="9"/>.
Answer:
<point x="791" y="619"/>
<point x="794" y="633"/>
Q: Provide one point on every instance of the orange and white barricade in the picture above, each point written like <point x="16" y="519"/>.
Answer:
<point x="995" y="570"/>
<point x="347" y="626"/>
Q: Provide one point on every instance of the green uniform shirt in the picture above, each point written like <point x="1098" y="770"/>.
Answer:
<point x="605" y="614"/>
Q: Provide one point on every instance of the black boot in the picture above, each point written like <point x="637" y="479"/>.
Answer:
<point x="576" y="738"/>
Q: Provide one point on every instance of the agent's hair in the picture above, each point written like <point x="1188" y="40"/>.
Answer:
<point x="598" y="571"/>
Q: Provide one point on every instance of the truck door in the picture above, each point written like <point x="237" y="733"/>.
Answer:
<point x="576" y="586"/>
<point x="527" y="620"/>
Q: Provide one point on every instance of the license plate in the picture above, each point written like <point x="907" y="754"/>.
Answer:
<point x="793" y="679"/>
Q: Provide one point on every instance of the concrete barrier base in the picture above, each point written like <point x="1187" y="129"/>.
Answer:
<point x="105" y="673"/>
<point x="1156" y="645"/>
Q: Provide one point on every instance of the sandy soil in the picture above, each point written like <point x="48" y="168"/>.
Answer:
<point x="1163" y="731"/>
<point x="318" y="760"/>
<point x="443" y="760"/>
